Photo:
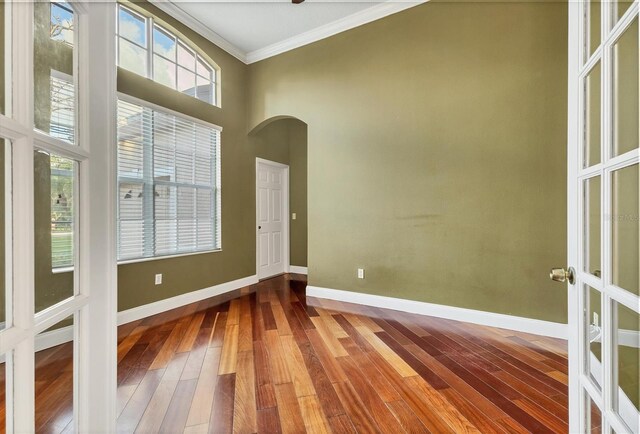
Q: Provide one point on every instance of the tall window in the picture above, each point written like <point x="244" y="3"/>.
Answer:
<point x="150" y="50"/>
<point x="169" y="183"/>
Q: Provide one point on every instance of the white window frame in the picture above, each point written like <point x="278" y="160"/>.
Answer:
<point x="150" y="24"/>
<point x="217" y="187"/>
<point x="94" y="304"/>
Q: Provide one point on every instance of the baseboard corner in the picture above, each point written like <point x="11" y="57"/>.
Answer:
<point x="298" y="270"/>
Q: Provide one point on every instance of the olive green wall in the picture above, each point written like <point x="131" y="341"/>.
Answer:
<point x="285" y="141"/>
<point x="437" y="153"/>
<point x="298" y="192"/>
<point x="237" y="258"/>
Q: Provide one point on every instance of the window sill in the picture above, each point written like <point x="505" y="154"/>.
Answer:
<point x="157" y="258"/>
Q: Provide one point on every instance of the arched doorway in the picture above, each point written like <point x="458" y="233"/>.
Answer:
<point x="280" y="145"/>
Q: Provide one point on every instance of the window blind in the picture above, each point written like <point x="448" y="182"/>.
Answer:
<point x="168" y="184"/>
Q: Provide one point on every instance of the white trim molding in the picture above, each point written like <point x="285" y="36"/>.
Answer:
<point x="521" y="324"/>
<point x="349" y="22"/>
<point x="297" y="269"/>
<point x="157" y="307"/>
<point x="373" y="13"/>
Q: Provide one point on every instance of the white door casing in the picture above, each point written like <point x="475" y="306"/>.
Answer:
<point x="272" y="218"/>
<point x="593" y="211"/>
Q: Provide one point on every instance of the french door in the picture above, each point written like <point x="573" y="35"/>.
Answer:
<point x="57" y="214"/>
<point x="603" y="217"/>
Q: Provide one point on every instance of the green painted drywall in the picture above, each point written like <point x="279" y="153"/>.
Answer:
<point x="298" y="191"/>
<point x="272" y="142"/>
<point x="437" y="153"/>
<point x="285" y="141"/>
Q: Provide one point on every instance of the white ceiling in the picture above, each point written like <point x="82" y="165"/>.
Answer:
<point x="257" y="29"/>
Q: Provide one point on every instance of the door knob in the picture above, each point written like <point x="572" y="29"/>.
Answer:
<point x="562" y="275"/>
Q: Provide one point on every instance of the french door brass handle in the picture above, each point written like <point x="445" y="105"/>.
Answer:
<point x="562" y="275"/>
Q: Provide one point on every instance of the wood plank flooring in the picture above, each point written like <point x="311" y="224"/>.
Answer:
<point x="268" y="359"/>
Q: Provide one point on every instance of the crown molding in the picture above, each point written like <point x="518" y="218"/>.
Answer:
<point x="176" y="12"/>
<point x="357" y="19"/>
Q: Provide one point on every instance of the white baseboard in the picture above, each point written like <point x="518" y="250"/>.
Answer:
<point x="521" y="324"/>
<point x="298" y="270"/>
<point x="181" y="300"/>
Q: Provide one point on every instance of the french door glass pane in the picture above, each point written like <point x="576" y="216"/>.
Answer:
<point x="592" y="220"/>
<point x="54" y="380"/>
<point x="625" y="91"/>
<point x="592" y="117"/>
<point x="593" y="27"/>
<point x="5" y="198"/>
<point x="54" y="88"/>
<point x="593" y="334"/>
<point x="625" y="229"/>
<point x="593" y="416"/>
<point x="627" y="354"/>
<point x="54" y="219"/>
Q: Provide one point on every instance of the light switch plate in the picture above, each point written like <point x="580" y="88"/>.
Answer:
<point x="293" y="216"/>
<point x="158" y="279"/>
<point x="360" y="273"/>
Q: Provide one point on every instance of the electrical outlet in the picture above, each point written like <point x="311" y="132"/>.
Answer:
<point x="158" y="279"/>
<point x="360" y="273"/>
<point x="293" y="216"/>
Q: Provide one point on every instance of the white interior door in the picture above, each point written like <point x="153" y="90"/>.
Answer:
<point x="272" y="203"/>
<point x="603" y="217"/>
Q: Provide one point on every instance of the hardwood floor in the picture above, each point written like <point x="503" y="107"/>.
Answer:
<point x="268" y="359"/>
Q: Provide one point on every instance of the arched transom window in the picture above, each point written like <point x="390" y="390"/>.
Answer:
<point x="147" y="48"/>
